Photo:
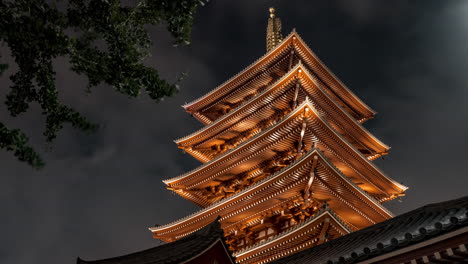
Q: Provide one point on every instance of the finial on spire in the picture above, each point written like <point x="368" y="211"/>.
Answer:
<point x="272" y="12"/>
<point x="274" y="35"/>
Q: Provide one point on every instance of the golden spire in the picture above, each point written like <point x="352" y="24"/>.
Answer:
<point x="274" y="35"/>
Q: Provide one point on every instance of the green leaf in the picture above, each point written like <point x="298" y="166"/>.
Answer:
<point x="108" y="46"/>
<point x="17" y="142"/>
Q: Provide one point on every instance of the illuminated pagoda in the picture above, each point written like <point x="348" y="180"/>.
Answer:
<point x="287" y="164"/>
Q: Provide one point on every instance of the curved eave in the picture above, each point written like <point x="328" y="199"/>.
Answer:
<point x="397" y="186"/>
<point x="222" y="89"/>
<point x="293" y="73"/>
<point x="346" y="113"/>
<point x="363" y="108"/>
<point x="176" y="180"/>
<point x="370" y="200"/>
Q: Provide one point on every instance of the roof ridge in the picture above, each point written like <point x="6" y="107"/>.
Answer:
<point x="332" y="74"/>
<point x="265" y="55"/>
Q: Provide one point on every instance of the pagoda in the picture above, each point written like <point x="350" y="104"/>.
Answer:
<point x="287" y="163"/>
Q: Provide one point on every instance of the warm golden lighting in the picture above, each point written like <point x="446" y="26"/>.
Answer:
<point x="272" y="12"/>
<point x="284" y="153"/>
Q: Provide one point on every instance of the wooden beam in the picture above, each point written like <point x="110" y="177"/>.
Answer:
<point x="324" y="231"/>
<point x="291" y="59"/>
<point x="296" y="95"/>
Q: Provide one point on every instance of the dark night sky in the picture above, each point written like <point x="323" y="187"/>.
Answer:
<point x="98" y="194"/>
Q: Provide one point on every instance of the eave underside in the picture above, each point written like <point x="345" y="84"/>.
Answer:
<point x="272" y="104"/>
<point x="323" y="227"/>
<point x="284" y="137"/>
<point x="287" y="187"/>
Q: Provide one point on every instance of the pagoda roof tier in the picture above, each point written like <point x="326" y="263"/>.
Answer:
<point x="269" y="104"/>
<point x="332" y="183"/>
<point x="351" y="203"/>
<point x="300" y="237"/>
<point x="282" y="136"/>
<point x="238" y="87"/>
<point x="274" y="70"/>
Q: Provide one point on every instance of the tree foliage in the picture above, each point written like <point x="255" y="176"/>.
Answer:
<point x="102" y="39"/>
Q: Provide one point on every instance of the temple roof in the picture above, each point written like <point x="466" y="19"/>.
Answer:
<point x="336" y="88"/>
<point x="179" y="251"/>
<point x="251" y="112"/>
<point x="352" y="158"/>
<point x="361" y="209"/>
<point x="410" y="228"/>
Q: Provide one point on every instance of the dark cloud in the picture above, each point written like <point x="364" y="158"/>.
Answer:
<point x="99" y="193"/>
